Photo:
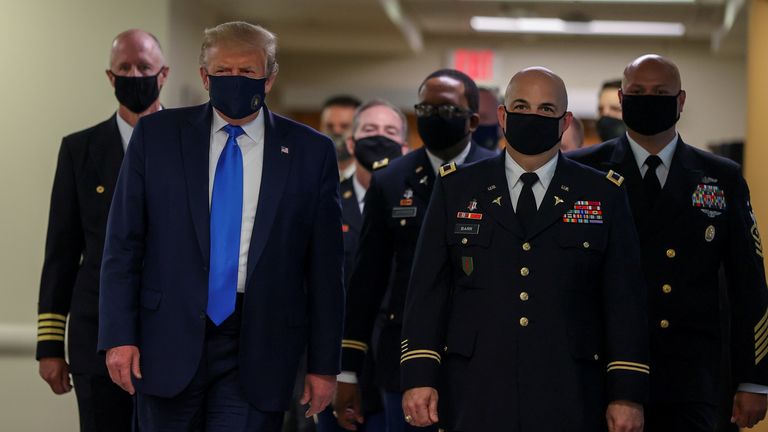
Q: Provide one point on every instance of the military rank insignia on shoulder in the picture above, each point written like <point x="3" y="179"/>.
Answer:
<point x="615" y="178"/>
<point x="380" y="164"/>
<point x="447" y="169"/>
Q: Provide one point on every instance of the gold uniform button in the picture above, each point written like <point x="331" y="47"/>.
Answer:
<point x="664" y="324"/>
<point x="445" y="348"/>
<point x="99" y="189"/>
<point x="524" y="296"/>
<point x="666" y="288"/>
<point x="524" y="271"/>
<point x="524" y="322"/>
<point x="526" y="246"/>
<point x="464" y="241"/>
<point x="597" y="357"/>
<point x="402" y="222"/>
<point x="391" y="317"/>
<point x="586" y="245"/>
<point x="671" y="253"/>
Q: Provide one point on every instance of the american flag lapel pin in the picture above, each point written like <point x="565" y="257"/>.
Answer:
<point x="284" y="150"/>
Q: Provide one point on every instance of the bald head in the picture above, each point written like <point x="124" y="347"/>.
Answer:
<point x="136" y="51"/>
<point x="538" y="90"/>
<point x="651" y="74"/>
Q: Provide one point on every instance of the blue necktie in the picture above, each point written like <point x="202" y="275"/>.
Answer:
<point x="226" y="219"/>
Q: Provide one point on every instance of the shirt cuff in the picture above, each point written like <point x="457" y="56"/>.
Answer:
<point x="753" y="388"/>
<point x="348" y="377"/>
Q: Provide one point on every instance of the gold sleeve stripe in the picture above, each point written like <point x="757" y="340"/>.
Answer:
<point x="761" y="329"/>
<point x="56" y="324"/>
<point x="761" y="334"/>
<point x="415" y="356"/>
<point x="631" y="364"/>
<point x="354" y="345"/>
<point x="43" y="338"/>
<point x="50" y="330"/>
<point x="762" y="321"/>
<point x="629" y="368"/>
<point x="761" y="356"/>
<point x="404" y="342"/>
<point x="761" y="351"/>
<point x="46" y="316"/>
<point x="759" y="345"/>
<point x="430" y="352"/>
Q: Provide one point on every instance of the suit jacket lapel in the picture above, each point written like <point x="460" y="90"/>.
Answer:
<point x="495" y="200"/>
<point x="277" y="163"/>
<point x="195" y="145"/>
<point x="107" y="153"/>
<point x="422" y="178"/>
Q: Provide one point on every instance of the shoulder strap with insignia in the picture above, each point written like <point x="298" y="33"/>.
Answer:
<point x="447" y="169"/>
<point x="615" y="178"/>
<point x="380" y="164"/>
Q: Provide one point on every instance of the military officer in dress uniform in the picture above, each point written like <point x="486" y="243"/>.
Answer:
<point x="89" y="162"/>
<point x="527" y="309"/>
<point x="693" y="216"/>
<point x="395" y="206"/>
<point x="378" y="136"/>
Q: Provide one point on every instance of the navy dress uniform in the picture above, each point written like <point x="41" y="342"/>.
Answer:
<point x="526" y="329"/>
<point x="88" y="166"/>
<point x="395" y="205"/>
<point x="700" y="221"/>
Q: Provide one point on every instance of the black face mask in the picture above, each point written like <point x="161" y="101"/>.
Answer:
<point x="532" y="134"/>
<point x="236" y="96"/>
<point x="136" y="93"/>
<point x="375" y="148"/>
<point x="439" y="133"/>
<point x="649" y="115"/>
<point x="487" y="136"/>
<point x="609" y="128"/>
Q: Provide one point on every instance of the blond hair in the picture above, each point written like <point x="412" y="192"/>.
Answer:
<point x="240" y="33"/>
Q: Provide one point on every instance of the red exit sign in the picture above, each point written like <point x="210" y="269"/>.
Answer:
<point x="478" y="64"/>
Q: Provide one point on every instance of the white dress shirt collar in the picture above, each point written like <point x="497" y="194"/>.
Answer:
<point x="126" y="130"/>
<point x="254" y="129"/>
<point x="666" y="154"/>
<point x="513" y="172"/>
<point x="360" y="191"/>
<point x="436" y="162"/>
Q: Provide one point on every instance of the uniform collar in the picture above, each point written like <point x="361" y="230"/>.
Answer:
<point x="545" y="172"/>
<point x="436" y="162"/>
<point x="642" y="154"/>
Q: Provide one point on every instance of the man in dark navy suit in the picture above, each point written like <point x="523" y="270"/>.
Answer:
<point x="223" y="256"/>
<point x="394" y="208"/>
<point x="89" y="162"/>
<point x="526" y="309"/>
<point x="693" y="216"/>
<point x="377" y="137"/>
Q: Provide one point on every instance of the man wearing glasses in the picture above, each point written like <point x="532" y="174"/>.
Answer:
<point x="395" y="205"/>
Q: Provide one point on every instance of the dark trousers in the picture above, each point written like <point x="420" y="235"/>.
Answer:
<point x="688" y="417"/>
<point x="374" y="422"/>
<point x="213" y="401"/>
<point x="103" y="406"/>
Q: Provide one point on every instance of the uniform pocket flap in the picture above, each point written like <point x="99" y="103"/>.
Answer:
<point x="461" y="342"/>
<point x="150" y="298"/>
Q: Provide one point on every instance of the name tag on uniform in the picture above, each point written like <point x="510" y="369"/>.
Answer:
<point x="467" y="229"/>
<point x="404" y="212"/>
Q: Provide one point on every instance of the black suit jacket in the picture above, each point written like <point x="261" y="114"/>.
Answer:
<point x="379" y="281"/>
<point x="526" y="332"/>
<point x="684" y="243"/>
<point x="88" y="165"/>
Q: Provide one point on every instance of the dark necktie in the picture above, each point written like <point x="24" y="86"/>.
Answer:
<point x="651" y="182"/>
<point x="226" y="220"/>
<point x="526" y="203"/>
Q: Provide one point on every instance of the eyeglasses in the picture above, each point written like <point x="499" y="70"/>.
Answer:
<point x="447" y="112"/>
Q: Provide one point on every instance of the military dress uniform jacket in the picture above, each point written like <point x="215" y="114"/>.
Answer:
<point x="352" y="223"/>
<point x="526" y="332"/>
<point x="395" y="205"/>
<point x="88" y="166"/>
<point x="701" y="220"/>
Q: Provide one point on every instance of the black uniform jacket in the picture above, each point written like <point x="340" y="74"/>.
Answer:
<point x="526" y="332"/>
<point x="88" y="165"/>
<point x="395" y="205"/>
<point x="702" y="220"/>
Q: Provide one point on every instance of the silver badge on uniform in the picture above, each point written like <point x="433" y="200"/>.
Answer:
<point x="709" y="233"/>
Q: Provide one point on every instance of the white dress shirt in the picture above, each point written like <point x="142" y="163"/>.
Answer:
<point x="641" y="154"/>
<point x="126" y="130"/>
<point x="251" y="145"/>
<point x="514" y="171"/>
<point x="347" y="172"/>
<point x="436" y="162"/>
<point x="360" y="191"/>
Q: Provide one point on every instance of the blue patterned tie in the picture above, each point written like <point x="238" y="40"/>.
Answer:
<point x="226" y="219"/>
